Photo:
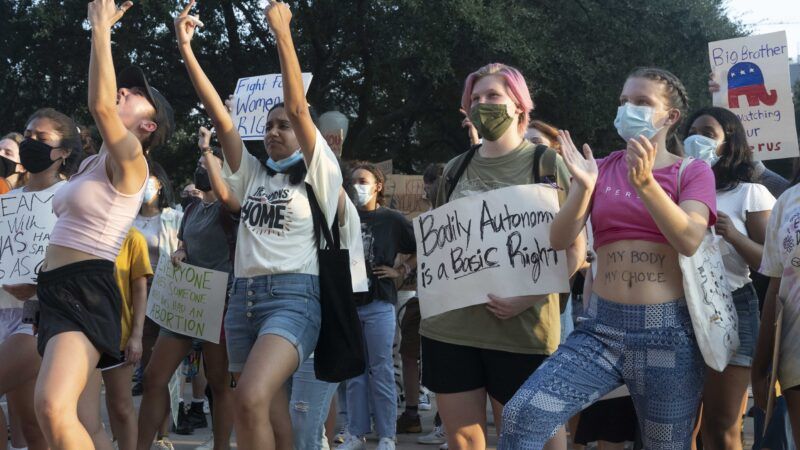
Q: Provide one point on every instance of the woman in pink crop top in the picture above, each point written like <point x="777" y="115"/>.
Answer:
<point x="639" y="332"/>
<point x="80" y="319"/>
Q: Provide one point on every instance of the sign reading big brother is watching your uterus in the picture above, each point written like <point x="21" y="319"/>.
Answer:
<point x="753" y="74"/>
<point x="253" y="98"/>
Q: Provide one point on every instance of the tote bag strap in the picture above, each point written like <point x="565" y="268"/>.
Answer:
<point x="332" y="240"/>
<point x="684" y="164"/>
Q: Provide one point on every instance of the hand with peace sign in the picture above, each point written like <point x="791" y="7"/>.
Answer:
<point x="583" y="168"/>
<point x="185" y="24"/>
<point x="279" y="16"/>
<point x="103" y="14"/>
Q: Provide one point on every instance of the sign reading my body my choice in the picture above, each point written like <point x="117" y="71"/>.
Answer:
<point x="26" y="220"/>
<point x="253" y="98"/>
<point x="496" y="242"/>
<point x="753" y="73"/>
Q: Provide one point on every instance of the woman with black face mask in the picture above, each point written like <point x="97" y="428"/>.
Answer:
<point x="50" y="152"/>
<point x="206" y="238"/>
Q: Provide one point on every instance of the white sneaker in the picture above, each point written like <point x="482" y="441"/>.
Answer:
<point x="385" y="444"/>
<point x="353" y="443"/>
<point x="444" y="446"/>
<point x="424" y="402"/>
<point x="207" y="445"/>
<point x="435" y="437"/>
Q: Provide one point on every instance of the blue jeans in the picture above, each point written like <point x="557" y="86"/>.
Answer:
<point x="309" y="405"/>
<point x="745" y="300"/>
<point x="375" y="389"/>
<point x="650" y="348"/>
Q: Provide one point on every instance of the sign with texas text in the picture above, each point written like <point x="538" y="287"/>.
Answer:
<point x="26" y="220"/>
<point x="253" y="98"/>
<point x="496" y="242"/>
<point x="753" y="74"/>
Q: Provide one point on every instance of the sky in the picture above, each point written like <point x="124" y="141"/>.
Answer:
<point x="769" y="16"/>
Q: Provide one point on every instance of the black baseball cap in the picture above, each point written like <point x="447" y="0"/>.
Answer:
<point x="133" y="76"/>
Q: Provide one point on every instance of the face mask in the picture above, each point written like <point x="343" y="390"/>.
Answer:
<point x="7" y="167"/>
<point x="150" y="191"/>
<point x="701" y="147"/>
<point x="490" y="120"/>
<point x="363" y="193"/>
<point x="201" y="180"/>
<point x="186" y="201"/>
<point x="284" y="164"/>
<point x="633" y="121"/>
<point x="35" y="155"/>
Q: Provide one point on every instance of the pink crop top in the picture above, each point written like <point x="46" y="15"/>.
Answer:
<point x="93" y="217"/>
<point x="618" y="214"/>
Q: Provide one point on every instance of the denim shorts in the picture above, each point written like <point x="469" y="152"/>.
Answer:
<point x="286" y="305"/>
<point x="745" y="300"/>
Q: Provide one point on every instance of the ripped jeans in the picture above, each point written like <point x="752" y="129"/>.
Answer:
<point x="309" y="404"/>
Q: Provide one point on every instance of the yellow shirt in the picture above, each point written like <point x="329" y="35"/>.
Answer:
<point x="133" y="263"/>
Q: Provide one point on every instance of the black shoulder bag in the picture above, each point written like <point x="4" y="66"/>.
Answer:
<point x="339" y="354"/>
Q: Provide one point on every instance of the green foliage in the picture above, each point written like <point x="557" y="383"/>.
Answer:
<point x="396" y="67"/>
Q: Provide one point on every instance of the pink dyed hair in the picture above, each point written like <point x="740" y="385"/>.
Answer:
<point x="515" y="83"/>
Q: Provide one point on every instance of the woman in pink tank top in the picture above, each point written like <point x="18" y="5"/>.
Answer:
<point x="80" y="320"/>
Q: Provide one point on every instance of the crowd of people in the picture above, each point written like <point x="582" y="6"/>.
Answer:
<point x="614" y="361"/>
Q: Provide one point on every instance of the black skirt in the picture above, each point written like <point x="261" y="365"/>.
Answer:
<point x="82" y="297"/>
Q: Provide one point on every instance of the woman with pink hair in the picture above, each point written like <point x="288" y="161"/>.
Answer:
<point x="494" y="347"/>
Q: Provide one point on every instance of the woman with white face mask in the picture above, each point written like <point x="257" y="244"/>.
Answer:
<point x="716" y="136"/>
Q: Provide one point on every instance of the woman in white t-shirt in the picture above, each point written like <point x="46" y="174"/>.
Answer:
<point x="273" y="318"/>
<point x="716" y="136"/>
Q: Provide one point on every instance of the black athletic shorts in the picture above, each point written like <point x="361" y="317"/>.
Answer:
<point x="83" y="297"/>
<point x="450" y="369"/>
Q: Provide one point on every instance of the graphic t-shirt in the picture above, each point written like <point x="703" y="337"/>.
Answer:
<point x="132" y="263"/>
<point x="276" y="232"/>
<point x="536" y="330"/>
<point x="204" y="238"/>
<point x="782" y="260"/>
<point x="618" y="214"/>
<point x="385" y="233"/>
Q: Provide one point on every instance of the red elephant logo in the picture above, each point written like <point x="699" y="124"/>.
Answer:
<point x="745" y="78"/>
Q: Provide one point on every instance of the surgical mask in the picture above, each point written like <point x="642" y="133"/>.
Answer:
<point x="201" y="180"/>
<point x="284" y="164"/>
<point x="150" y="191"/>
<point x="491" y="120"/>
<point x="35" y="155"/>
<point x="701" y="147"/>
<point x="363" y="193"/>
<point x="633" y="121"/>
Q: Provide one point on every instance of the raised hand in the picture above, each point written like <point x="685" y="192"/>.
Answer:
<point x="640" y="156"/>
<point x="103" y="14"/>
<point x="204" y="138"/>
<point x="583" y="168"/>
<point x="185" y="24"/>
<point x="713" y="84"/>
<point x="474" y="138"/>
<point x="279" y="16"/>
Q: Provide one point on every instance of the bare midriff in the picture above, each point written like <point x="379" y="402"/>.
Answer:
<point x="58" y="256"/>
<point x="638" y="273"/>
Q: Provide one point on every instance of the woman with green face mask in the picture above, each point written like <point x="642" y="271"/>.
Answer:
<point x="491" y="348"/>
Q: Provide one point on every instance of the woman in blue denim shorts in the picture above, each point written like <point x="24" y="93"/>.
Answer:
<point x="716" y="136"/>
<point x="639" y="332"/>
<point x="273" y="319"/>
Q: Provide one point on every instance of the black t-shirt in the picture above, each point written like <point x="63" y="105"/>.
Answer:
<point x="386" y="233"/>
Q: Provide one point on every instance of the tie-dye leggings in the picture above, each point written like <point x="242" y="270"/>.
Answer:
<point x="650" y="348"/>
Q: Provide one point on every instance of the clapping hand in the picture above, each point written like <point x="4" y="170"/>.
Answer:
<point x="583" y="168"/>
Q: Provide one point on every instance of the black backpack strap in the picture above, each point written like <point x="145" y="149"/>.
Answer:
<point x="453" y="181"/>
<point x="537" y="157"/>
<point x="332" y="240"/>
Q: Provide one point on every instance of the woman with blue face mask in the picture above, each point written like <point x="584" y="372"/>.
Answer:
<point x="716" y="136"/>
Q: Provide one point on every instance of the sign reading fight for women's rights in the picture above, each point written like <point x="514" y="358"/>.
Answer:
<point x="753" y="74"/>
<point x="496" y="242"/>
<point x="253" y="98"/>
<point x="187" y="299"/>
<point x="26" y="220"/>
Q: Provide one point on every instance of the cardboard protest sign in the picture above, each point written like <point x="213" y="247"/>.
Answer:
<point x="253" y="98"/>
<point x="496" y="242"/>
<point x="187" y="299"/>
<point x="335" y="139"/>
<point x="753" y="73"/>
<point x="405" y="194"/>
<point x="26" y="220"/>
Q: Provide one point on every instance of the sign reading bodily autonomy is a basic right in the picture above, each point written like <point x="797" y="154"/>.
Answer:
<point x="253" y="98"/>
<point x="753" y="73"/>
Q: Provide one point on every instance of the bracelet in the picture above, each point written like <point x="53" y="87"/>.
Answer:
<point x="203" y="151"/>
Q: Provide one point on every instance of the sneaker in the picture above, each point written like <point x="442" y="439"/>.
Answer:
<point x="424" y="402"/>
<point x="353" y="443"/>
<point x="408" y="424"/>
<point x="385" y="444"/>
<point x="435" y="437"/>
<point x="444" y="446"/>
<point x="195" y="416"/>
<point x="207" y="445"/>
<point x="163" y="444"/>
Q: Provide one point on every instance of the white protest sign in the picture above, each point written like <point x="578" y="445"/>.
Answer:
<point x="753" y="73"/>
<point x="187" y="299"/>
<point x="253" y="98"/>
<point x="496" y="242"/>
<point x="26" y="220"/>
